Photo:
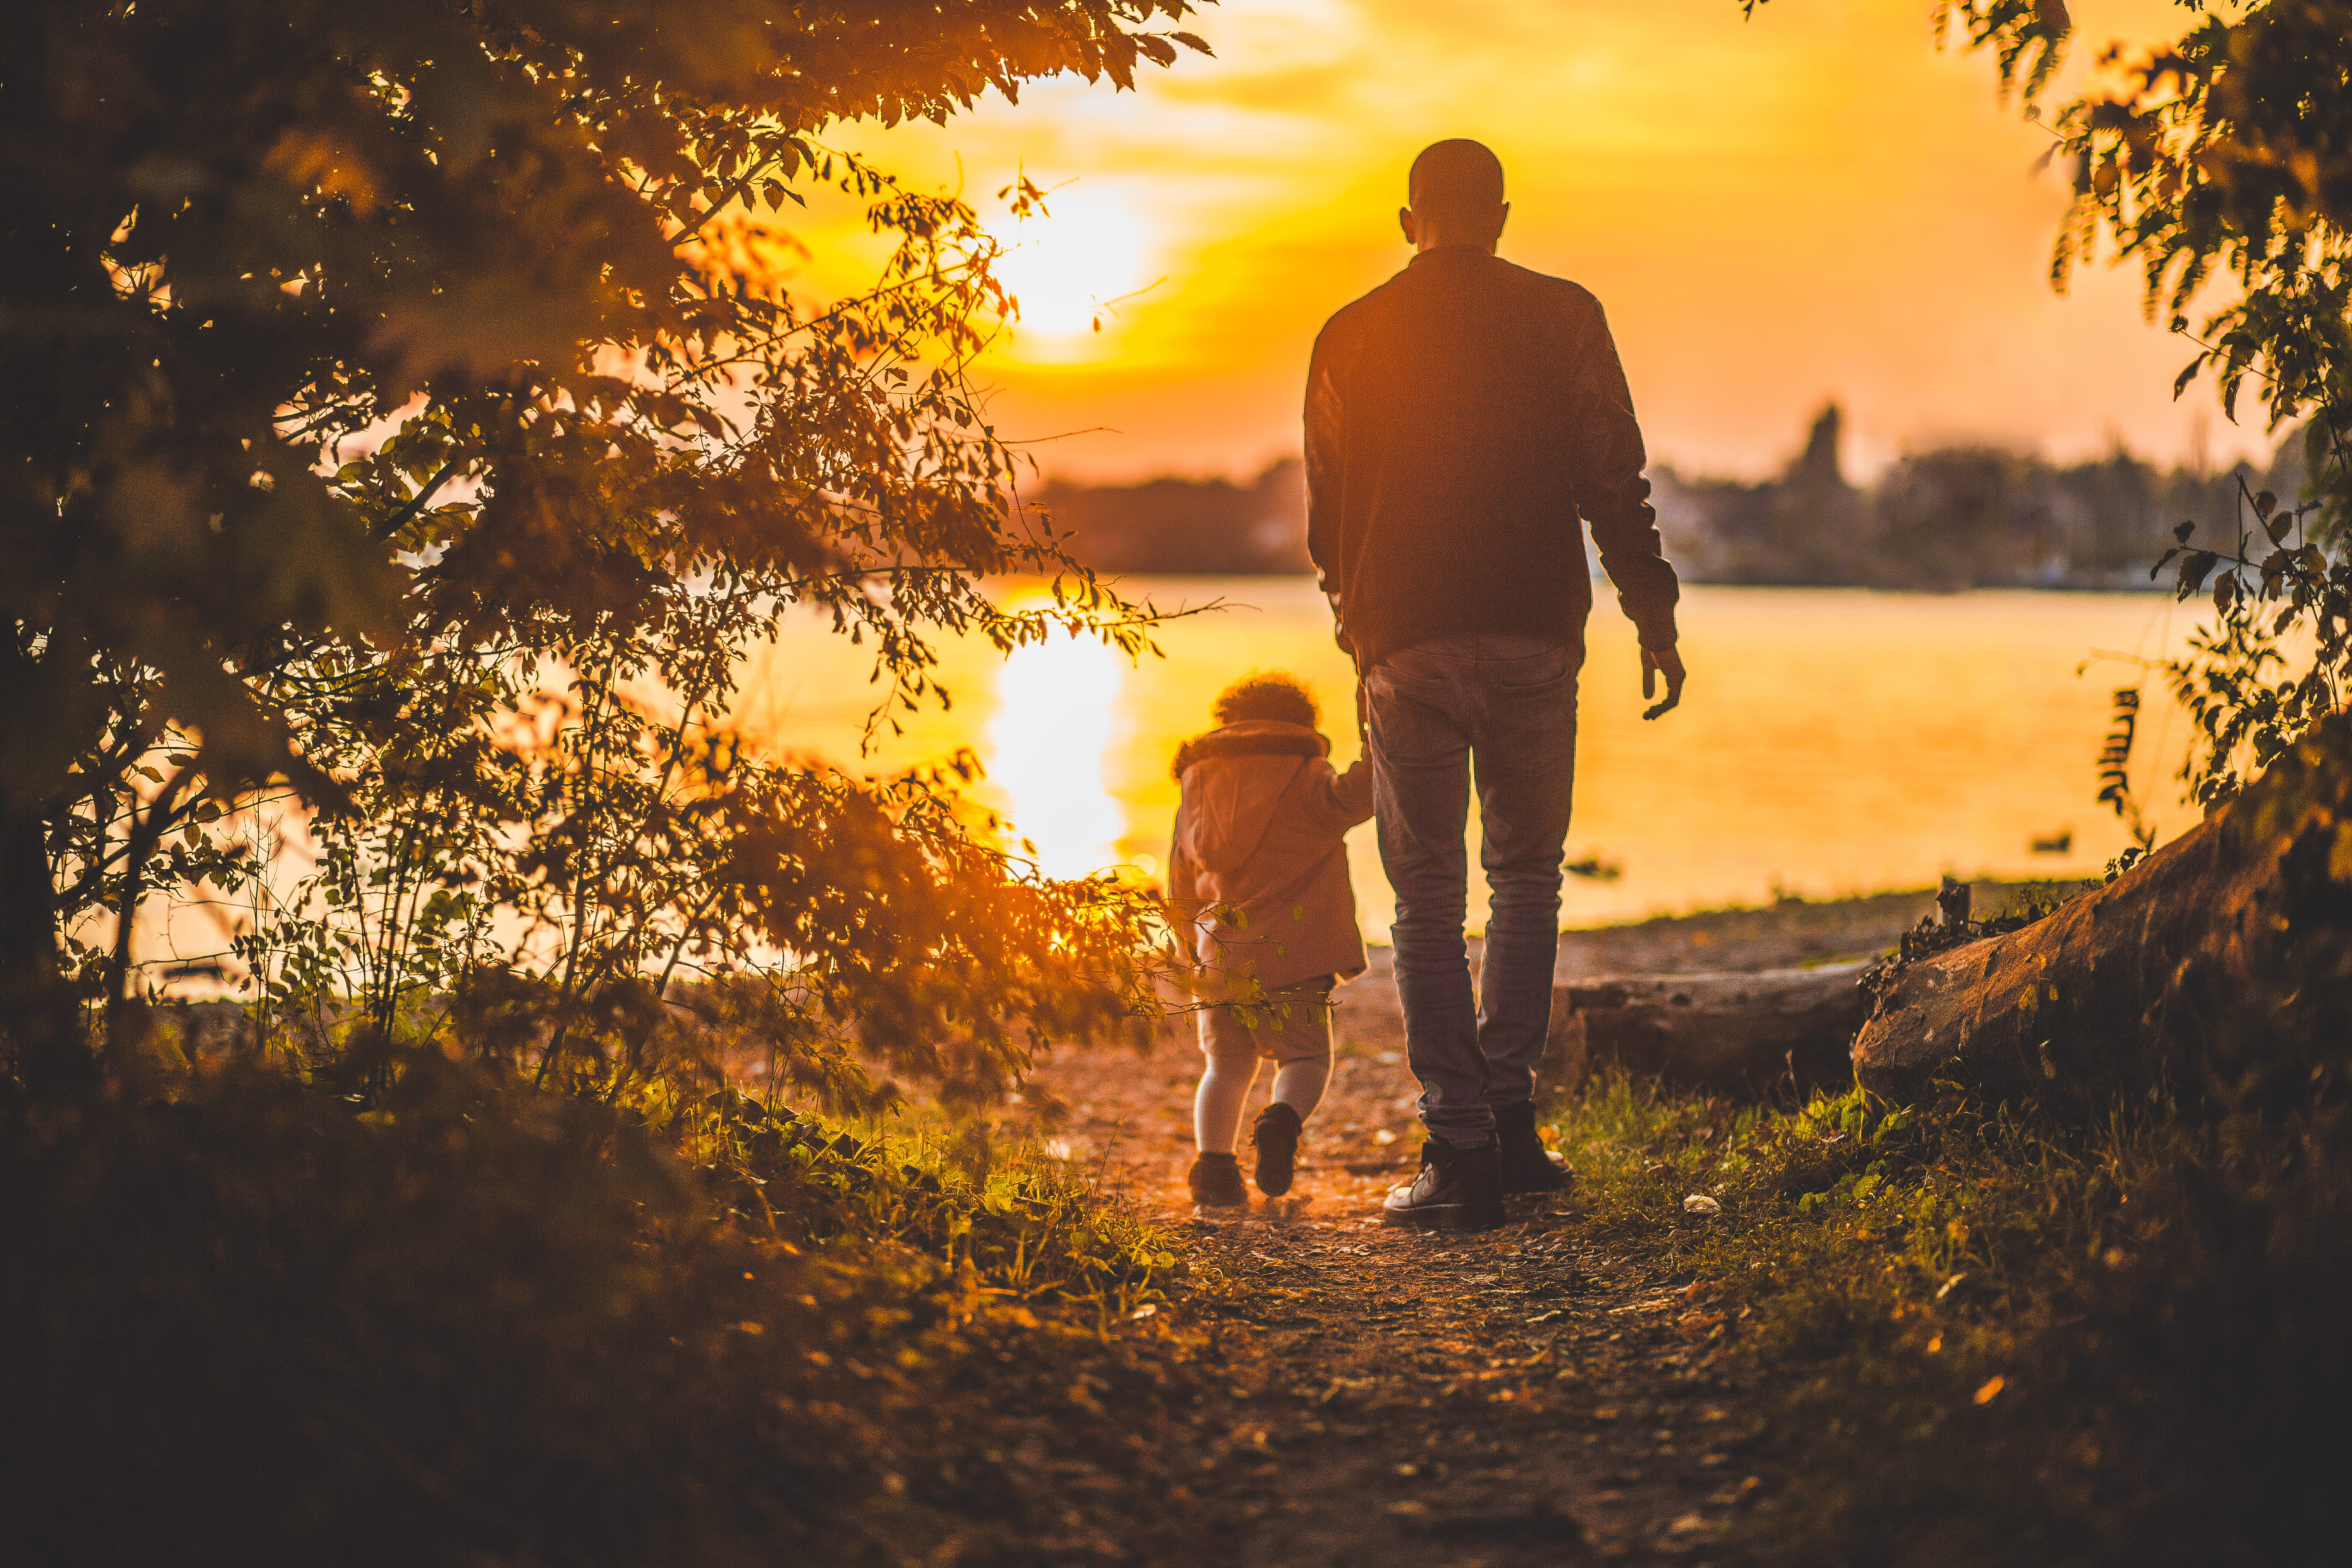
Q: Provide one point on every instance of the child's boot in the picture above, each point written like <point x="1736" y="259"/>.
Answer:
<point x="1216" y="1183"/>
<point x="1276" y="1135"/>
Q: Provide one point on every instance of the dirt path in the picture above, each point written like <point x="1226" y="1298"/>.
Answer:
<point x="1377" y="1396"/>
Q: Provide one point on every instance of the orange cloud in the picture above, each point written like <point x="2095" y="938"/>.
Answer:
<point x="1813" y="204"/>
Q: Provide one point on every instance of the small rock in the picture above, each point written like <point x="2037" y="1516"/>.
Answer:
<point x="1699" y="1202"/>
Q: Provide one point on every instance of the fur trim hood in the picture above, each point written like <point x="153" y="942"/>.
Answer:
<point x="1250" y="738"/>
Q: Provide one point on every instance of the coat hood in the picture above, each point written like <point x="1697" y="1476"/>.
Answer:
<point x="1233" y="778"/>
<point x="1250" y="738"/>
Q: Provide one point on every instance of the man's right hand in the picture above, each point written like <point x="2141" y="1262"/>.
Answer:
<point x="1667" y="662"/>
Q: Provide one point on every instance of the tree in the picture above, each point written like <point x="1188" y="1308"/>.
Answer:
<point x="2222" y="964"/>
<point x="365" y="361"/>
<point x="2228" y="152"/>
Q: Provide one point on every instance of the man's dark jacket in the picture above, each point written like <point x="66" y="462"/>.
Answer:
<point x="1459" y="417"/>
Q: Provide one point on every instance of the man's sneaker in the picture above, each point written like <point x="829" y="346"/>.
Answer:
<point x="1216" y="1183"/>
<point x="1276" y="1135"/>
<point x="1527" y="1165"/>
<point x="1458" y="1189"/>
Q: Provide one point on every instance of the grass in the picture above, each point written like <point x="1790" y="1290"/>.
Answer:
<point x="244" y="1320"/>
<point x="1993" y="1339"/>
<point x="1000" y="1215"/>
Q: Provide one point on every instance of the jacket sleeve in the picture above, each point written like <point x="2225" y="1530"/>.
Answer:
<point x="1336" y="801"/>
<point x="1326" y="439"/>
<point x="1185" y="900"/>
<point x="1606" y="473"/>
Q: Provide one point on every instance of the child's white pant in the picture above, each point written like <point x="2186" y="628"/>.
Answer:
<point x="1294" y="1031"/>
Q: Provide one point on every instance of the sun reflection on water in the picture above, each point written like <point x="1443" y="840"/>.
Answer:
<point x="1056" y="718"/>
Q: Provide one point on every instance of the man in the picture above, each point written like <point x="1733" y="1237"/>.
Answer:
<point x="1459" y="417"/>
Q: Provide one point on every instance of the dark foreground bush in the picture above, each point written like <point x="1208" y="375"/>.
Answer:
<point x="1997" y="1339"/>
<point x="473" y="1324"/>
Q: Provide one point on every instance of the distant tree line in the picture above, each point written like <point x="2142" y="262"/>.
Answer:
<point x="1940" y="520"/>
<point x="1203" y="526"/>
<point x="1947" y="519"/>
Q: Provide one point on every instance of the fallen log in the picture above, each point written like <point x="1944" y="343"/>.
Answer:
<point x="1730" y="1033"/>
<point x="2223" y="959"/>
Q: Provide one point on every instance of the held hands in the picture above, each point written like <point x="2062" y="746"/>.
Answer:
<point x="1668" y="663"/>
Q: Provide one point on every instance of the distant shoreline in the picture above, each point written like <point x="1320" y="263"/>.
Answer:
<point x="1793" y="934"/>
<point x="2132" y="583"/>
<point x="1933" y="521"/>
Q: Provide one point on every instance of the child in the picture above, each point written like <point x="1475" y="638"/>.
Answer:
<point x="1260" y="831"/>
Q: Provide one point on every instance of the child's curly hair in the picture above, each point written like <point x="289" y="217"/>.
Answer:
<point x="1267" y="694"/>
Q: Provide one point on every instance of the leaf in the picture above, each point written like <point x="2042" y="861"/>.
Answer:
<point x="2265" y="503"/>
<point x="2184" y="530"/>
<point x="2195" y="567"/>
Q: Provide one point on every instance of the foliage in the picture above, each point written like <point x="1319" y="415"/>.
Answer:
<point x="1015" y="1224"/>
<point x="416" y="416"/>
<point x="1992" y="1339"/>
<point x="242" y="1320"/>
<point x="2228" y="153"/>
<point x="2114" y="769"/>
<point x="388" y="380"/>
<point x="1950" y="925"/>
<point x="604" y="886"/>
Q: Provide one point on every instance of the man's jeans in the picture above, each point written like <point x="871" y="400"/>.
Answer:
<point x="1506" y="703"/>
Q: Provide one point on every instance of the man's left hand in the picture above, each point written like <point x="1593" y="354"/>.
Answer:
<point x="1667" y="662"/>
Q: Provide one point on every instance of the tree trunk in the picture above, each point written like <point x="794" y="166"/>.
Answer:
<point x="40" y="1020"/>
<point x="2221" y="963"/>
<point x="1735" y="1034"/>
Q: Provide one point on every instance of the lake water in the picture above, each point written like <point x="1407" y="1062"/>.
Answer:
<point x="1831" y="741"/>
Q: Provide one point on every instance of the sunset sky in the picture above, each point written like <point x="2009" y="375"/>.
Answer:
<point x="1813" y="205"/>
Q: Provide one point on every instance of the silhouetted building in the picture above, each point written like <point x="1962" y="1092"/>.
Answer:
<point x="1952" y="518"/>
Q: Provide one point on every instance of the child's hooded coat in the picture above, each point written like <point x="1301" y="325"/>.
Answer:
<point x="1262" y="827"/>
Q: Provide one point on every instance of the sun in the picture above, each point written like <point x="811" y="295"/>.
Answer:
<point x="1071" y="268"/>
<point x="1056" y="718"/>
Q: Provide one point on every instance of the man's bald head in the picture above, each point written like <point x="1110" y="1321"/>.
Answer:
<point x="1455" y="179"/>
<point x="1456" y="193"/>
